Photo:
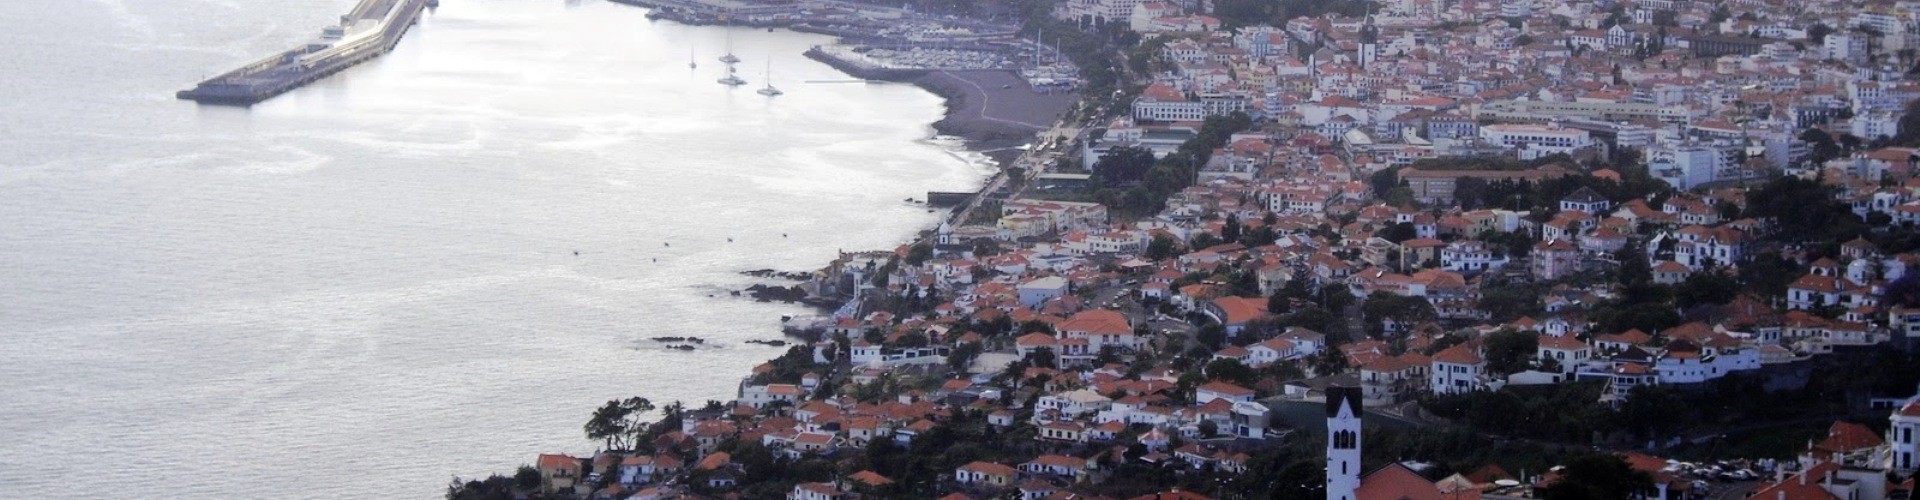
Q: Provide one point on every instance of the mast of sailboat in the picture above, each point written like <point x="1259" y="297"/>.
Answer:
<point x="729" y="58"/>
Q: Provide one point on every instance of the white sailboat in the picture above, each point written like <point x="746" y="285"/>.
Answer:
<point x="731" y="80"/>
<point x="769" y="91"/>
<point x="729" y="58"/>
<point x="691" y="64"/>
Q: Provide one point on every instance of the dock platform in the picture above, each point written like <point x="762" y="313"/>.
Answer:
<point x="372" y="28"/>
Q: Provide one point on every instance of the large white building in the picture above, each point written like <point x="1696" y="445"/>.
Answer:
<point x="1602" y="111"/>
<point x="1098" y="11"/>
<point x="1162" y="103"/>
<point x="1534" y="141"/>
<point x="1685" y="165"/>
<point x="1842" y="46"/>
<point x="1875" y="124"/>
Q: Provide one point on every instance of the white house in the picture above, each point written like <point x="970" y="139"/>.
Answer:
<point x="1469" y="256"/>
<point x="1565" y="351"/>
<point x="1456" y="370"/>
<point x="1074" y="403"/>
<point x="1902" y="444"/>
<point x="1271" y="351"/>
<point x="1221" y="390"/>
<point x="1038" y="291"/>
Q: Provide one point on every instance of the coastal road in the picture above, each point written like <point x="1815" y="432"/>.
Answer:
<point x="1736" y="491"/>
<point x="998" y="182"/>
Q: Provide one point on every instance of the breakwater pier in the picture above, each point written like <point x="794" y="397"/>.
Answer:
<point x="372" y="28"/>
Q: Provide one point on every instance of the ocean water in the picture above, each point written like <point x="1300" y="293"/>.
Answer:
<point x="369" y="285"/>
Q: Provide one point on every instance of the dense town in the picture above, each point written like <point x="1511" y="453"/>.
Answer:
<point x="1652" y="249"/>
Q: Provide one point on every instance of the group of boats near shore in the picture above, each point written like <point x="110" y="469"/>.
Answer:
<point x="732" y="78"/>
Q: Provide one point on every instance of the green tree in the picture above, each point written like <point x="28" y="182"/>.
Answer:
<point x="1508" y="303"/>
<point x="1705" y="288"/>
<point x="1510" y="351"/>
<point x="962" y="355"/>
<point x="1598" y="477"/>
<point x="1211" y="336"/>
<point x="1329" y="362"/>
<point x="1279" y="304"/>
<point x="1653" y="411"/>
<point x="1205" y="240"/>
<point x="1818" y="33"/>
<point x="1230" y="370"/>
<point x="1123" y="164"/>
<point x="495" y="487"/>
<point x="919" y="253"/>
<point x="1238" y="13"/>
<point x="986" y="247"/>
<point x="1647" y="317"/>
<point x="1041" y="358"/>
<point x="1162" y="247"/>
<point x="1824" y="147"/>
<point x="1383" y="306"/>
<point x="1909" y="128"/>
<point x="1313" y="318"/>
<point x="1398" y="232"/>
<point x="526" y="478"/>
<point x="618" y="423"/>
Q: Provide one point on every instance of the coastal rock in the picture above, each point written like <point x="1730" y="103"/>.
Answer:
<point x="787" y="275"/>
<point x="767" y="293"/>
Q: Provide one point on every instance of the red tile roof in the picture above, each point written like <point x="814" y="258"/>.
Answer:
<point x="1845" y="437"/>
<point x="1228" y="389"/>
<point x="990" y="468"/>
<point x="1396" y="482"/>
<point x="553" y="461"/>
<point x="1239" y="310"/>
<point x="1460" y="355"/>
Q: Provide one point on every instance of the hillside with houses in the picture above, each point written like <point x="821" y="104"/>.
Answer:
<point x="1417" y="249"/>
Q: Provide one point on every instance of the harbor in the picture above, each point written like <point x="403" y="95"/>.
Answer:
<point x="369" y="30"/>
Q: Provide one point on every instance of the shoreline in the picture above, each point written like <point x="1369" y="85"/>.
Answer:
<point x="968" y="112"/>
<point x="968" y="95"/>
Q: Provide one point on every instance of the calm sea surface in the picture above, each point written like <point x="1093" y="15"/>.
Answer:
<point x="364" y="287"/>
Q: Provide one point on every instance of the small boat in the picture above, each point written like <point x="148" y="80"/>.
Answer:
<point x="769" y="91"/>
<point x="731" y="80"/>
<point x="729" y="58"/>
<point x="690" y="61"/>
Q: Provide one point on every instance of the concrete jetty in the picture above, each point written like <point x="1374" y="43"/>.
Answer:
<point x="372" y="28"/>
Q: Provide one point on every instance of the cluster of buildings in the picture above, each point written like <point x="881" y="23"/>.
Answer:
<point x="1096" y="319"/>
<point x="1703" y="93"/>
